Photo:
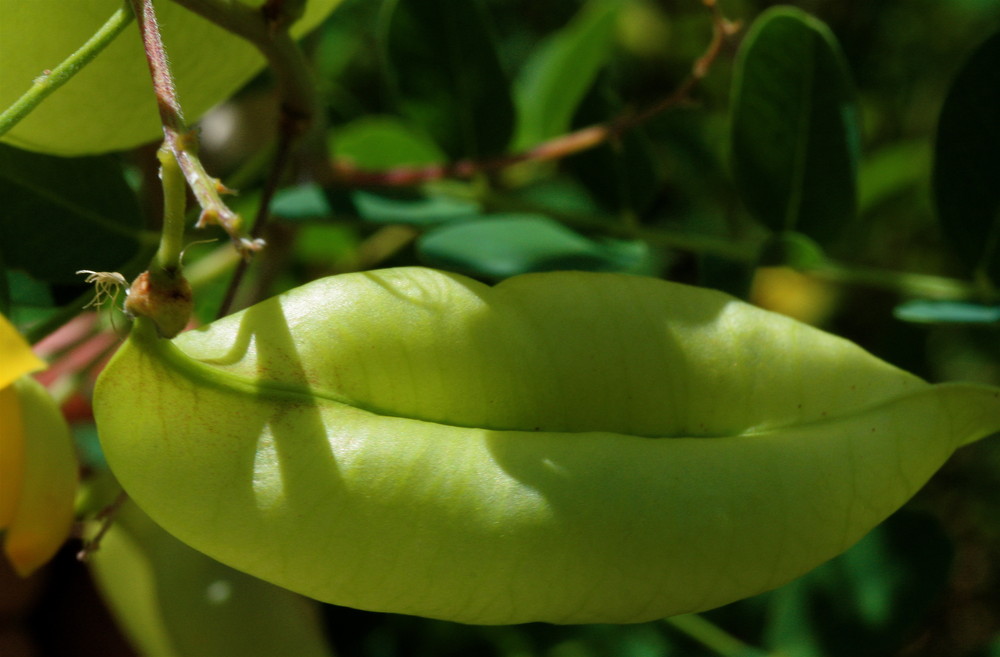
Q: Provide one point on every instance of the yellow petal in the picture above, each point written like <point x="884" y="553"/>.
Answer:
<point x="44" y="510"/>
<point x="16" y="357"/>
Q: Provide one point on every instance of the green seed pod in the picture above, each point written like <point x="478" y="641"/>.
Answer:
<point x="562" y="447"/>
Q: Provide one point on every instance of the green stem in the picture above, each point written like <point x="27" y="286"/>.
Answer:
<point x="907" y="284"/>
<point x="168" y="257"/>
<point x="49" y="81"/>
<point x="710" y="635"/>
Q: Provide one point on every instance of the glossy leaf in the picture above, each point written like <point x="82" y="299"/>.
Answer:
<point x="444" y="71"/>
<point x="556" y="79"/>
<point x="90" y="215"/>
<point x="499" y="246"/>
<point x="966" y="166"/>
<point x="795" y="136"/>
<point x="563" y="447"/>
<point x="173" y="601"/>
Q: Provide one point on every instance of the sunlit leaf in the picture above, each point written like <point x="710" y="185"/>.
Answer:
<point x="556" y="79"/>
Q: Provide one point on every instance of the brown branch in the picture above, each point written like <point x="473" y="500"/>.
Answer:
<point x="345" y="174"/>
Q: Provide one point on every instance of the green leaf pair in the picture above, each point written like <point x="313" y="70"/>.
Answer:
<point x="562" y="447"/>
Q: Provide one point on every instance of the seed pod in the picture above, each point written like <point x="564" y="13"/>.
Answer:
<point x="562" y="447"/>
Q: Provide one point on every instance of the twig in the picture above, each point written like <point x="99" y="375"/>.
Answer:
<point x="51" y="80"/>
<point x="182" y="141"/>
<point x="347" y="175"/>
<point x="107" y="518"/>
<point x="267" y="28"/>
<point x="286" y="142"/>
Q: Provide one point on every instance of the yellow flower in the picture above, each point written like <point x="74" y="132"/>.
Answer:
<point x="38" y="469"/>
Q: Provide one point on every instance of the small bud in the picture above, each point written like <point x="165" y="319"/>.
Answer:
<point x="164" y="298"/>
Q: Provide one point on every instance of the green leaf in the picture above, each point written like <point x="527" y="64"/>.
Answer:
<point x="375" y="142"/>
<point x="556" y="78"/>
<point x="443" y="69"/>
<point x="61" y="215"/>
<point x="301" y="202"/>
<point x="946" y="312"/>
<point x="795" y="138"/>
<point x="424" y="211"/>
<point x="500" y="246"/>
<point x="31" y="300"/>
<point x="792" y="250"/>
<point x="173" y="601"/>
<point x="562" y="447"/>
<point x="966" y="166"/>
<point x="893" y="171"/>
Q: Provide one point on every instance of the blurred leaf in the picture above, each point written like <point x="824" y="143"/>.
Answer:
<point x="424" y="211"/>
<point x="31" y="300"/>
<point x="560" y="195"/>
<point x="864" y="601"/>
<point x="792" y="249"/>
<point x="173" y="601"/>
<point x="966" y="164"/>
<point x="892" y="171"/>
<point x="301" y="202"/>
<point x="324" y="243"/>
<point x="946" y="312"/>
<point x="622" y="175"/>
<point x="555" y="80"/>
<point x="89" y="216"/>
<point x="794" y="139"/>
<point x="499" y="246"/>
<point x="443" y="68"/>
<point x="383" y="142"/>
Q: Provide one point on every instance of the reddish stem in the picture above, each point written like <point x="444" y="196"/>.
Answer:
<point x="182" y="141"/>
<point x="347" y="175"/>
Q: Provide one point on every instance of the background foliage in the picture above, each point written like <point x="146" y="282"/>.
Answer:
<point x="408" y="83"/>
